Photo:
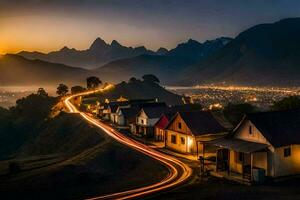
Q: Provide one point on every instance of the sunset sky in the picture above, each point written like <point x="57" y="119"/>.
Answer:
<point x="46" y="25"/>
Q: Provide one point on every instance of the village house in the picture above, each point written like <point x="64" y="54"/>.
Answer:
<point x="126" y="116"/>
<point x="147" y="117"/>
<point x="263" y="144"/>
<point x="113" y="107"/>
<point x="187" y="131"/>
<point x="161" y="124"/>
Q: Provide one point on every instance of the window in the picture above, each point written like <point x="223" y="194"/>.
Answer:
<point x="250" y="129"/>
<point x="287" y="152"/>
<point x="173" y="139"/>
<point x="142" y="121"/>
<point x="182" y="140"/>
<point x="179" y="125"/>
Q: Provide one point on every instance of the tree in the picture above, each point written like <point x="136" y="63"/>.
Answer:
<point x="93" y="82"/>
<point x="132" y="80"/>
<point x="77" y="89"/>
<point x="150" y="78"/>
<point x="62" y="89"/>
<point x="287" y="103"/>
<point x="235" y="112"/>
<point x="42" y="92"/>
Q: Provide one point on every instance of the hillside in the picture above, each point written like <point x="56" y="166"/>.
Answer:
<point x="77" y="161"/>
<point x="137" y="89"/>
<point x="266" y="54"/>
<point x="16" y="70"/>
<point x="96" y="55"/>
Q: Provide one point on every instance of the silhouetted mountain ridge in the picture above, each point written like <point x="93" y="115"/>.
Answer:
<point x="16" y="70"/>
<point x="167" y="65"/>
<point x="98" y="54"/>
<point x="266" y="54"/>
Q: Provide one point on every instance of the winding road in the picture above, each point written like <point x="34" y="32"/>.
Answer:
<point x="179" y="172"/>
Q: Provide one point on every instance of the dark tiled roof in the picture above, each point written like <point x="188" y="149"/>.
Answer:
<point x="155" y="112"/>
<point x="129" y="112"/>
<point x="165" y="117"/>
<point x="239" y="145"/>
<point x="201" y="122"/>
<point x="114" y="105"/>
<point x="171" y="111"/>
<point x="280" y="128"/>
<point x="170" y="115"/>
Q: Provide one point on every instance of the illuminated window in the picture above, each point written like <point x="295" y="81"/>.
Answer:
<point x="179" y="125"/>
<point x="287" y="152"/>
<point x="182" y="140"/>
<point x="173" y="139"/>
<point x="250" y="129"/>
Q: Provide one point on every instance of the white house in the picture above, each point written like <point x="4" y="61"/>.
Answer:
<point x="147" y="118"/>
<point x="269" y="141"/>
<point x="127" y="115"/>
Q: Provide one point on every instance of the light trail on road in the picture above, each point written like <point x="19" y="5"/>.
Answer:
<point x="179" y="172"/>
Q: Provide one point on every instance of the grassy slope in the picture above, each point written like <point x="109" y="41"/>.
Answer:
<point x="100" y="165"/>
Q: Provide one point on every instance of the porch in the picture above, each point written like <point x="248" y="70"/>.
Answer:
<point x="240" y="160"/>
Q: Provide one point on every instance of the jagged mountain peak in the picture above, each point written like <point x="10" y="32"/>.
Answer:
<point x="115" y="43"/>
<point x="98" y="44"/>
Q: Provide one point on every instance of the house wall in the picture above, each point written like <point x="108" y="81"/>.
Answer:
<point x="256" y="136"/>
<point x="260" y="160"/>
<point x="184" y="128"/>
<point x="113" y="117"/>
<point x="120" y="120"/>
<point x="133" y="128"/>
<point x="189" y="145"/>
<point x="142" y="119"/>
<point x="159" y="134"/>
<point x="285" y="166"/>
<point x="234" y="163"/>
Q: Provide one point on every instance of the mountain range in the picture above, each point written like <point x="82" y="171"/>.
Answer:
<point x="168" y="66"/>
<point x="96" y="55"/>
<point x="265" y="54"/>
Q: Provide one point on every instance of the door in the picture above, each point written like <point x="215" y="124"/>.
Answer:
<point x="222" y="159"/>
